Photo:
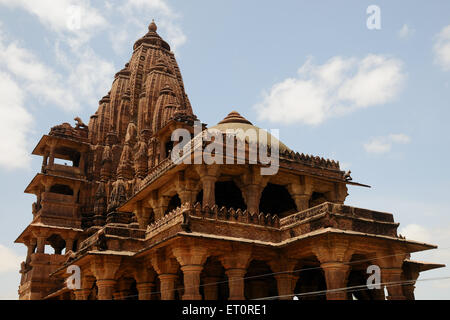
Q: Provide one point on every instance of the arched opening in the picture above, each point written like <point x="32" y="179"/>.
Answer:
<point x="311" y="280"/>
<point x="174" y="203"/>
<point x="228" y="195"/>
<point x="168" y="147"/>
<point x="199" y="197"/>
<point x="275" y="199"/>
<point x="61" y="189"/>
<point x="358" y="278"/>
<point x="57" y="243"/>
<point x="316" y="199"/>
<point x="259" y="281"/>
<point x="213" y="281"/>
<point x="126" y="289"/>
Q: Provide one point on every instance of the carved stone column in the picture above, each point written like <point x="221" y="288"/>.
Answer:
<point x="336" y="275"/>
<point x="211" y="288"/>
<point x="167" y="268"/>
<point x="334" y="255"/>
<point x="191" y="257"/>
<point x="236" y="283"/>
<point x="283" y="268"/>
<point x="392" y="278"/>
<point x="41" y="244"/>
<point x="85" y="290"/>
<point x="235" y="265"/>
<point x="145" y="280"/>
<point x="168" y="282"/>
<point x="106" y="288"/>
<point x="301" y="192"/>
<point x="104" y="269"/>
<point x="145" y="290"/>
<point x="208" y="176"/>
<point x="142" y="215"/>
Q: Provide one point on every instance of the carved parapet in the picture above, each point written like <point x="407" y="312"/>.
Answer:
<point x="340" y="217"/>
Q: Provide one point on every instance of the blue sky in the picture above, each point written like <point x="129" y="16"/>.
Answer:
<point x="376" y="100"/>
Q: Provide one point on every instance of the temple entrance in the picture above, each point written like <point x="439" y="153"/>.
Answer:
<point x="275" y="199"/>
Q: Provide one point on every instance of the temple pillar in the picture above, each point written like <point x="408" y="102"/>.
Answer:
<point x="104" y="268"/>
<point x="392" y="278"/>
<point x="168" y="282"/>
<point x="145" y="290"/>
<point x="235" y="265"/>
<point x="236" y="283"/>
<point x="211" y="288"/>
<point x="142" y="215"/>
<point x="334" y="254"/>
<point x="145" y="281"/>
<point x="208" y="177"/>
<point x="31" y="246"/>
<point x="283" y="268"/>
<point x="69" y="244"/>
<point x="106" y="288"/>
<point x="167" y="268"/>
<point x="40" y="244"/>
<point x="191" y="257"/>
<point x="301" y="192"/>
<point x="286" y="285"/>
<point x="391" y="262"/>
<point x="209" y="198"/>
<point x="336" y="275"/>
<point x="86" y="286"/>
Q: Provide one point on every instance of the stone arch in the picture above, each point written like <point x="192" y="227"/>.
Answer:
<point x="317" y="198"/>
<point x="311" y="279"/>
<point x="276" y="199"/>
<point x="57" y="243"/>
<point x="259" y="281"/>
<point x="174" y="203"/>
<point x="228" y="194"/>
<point x="358" y="277"/>
<point x="61" y="189"/>
<point x="213" y="280"/>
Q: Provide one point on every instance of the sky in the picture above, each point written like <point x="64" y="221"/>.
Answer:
<point x="370" y="88"/>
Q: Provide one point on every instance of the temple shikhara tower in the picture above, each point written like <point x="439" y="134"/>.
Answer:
<point x="113" y="203"/>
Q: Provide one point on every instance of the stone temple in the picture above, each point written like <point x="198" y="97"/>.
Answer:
<point x="139" y="225"/>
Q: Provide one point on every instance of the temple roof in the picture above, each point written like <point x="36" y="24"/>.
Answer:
<point x="234" y="121"/>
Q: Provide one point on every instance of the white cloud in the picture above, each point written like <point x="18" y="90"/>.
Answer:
<point x="72" y="17"/>
<point x="417" y="232"/>
<point x="38" y="79"/>
<point x="135" y="15"/>
<point x="14" y="127"/>
<point x="405" y="32"/>
<point x="441" y="48"/>
<point x="384" y="144"/>
<point x="339" y="86"/>
<point x="9" y="260"/>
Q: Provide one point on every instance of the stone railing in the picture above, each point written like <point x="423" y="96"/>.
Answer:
<point x="156" y="172"/>
<point x="340" y="209"/>
<point x="182" y="215"/>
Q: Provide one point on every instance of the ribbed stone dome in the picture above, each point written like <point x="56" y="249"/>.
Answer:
<point x="235" y="121"/>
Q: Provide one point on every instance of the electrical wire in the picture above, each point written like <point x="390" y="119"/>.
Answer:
<point x="285" y="272"/>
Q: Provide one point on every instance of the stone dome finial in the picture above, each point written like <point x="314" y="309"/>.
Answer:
<point x="234" y="117"/>
<point x="152" y="27"/>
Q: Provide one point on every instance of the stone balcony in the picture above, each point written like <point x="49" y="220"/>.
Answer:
<point x="58" y="210"/>
<point x="63" y="171"/>
<point x="267" y="228"/>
